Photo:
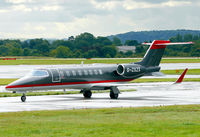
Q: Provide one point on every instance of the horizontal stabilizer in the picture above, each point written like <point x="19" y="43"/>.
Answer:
<point x="180" y="79"/>
<point x="171" y="43"/>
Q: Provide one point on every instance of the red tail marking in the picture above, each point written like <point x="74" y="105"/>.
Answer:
<point x="180" y="79"/>
<point x="160" y="46"/>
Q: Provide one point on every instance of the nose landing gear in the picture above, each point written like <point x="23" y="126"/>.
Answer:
<point x="23" y="97"/>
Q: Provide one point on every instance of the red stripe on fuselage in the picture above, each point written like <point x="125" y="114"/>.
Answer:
<point x="68" y="83"/>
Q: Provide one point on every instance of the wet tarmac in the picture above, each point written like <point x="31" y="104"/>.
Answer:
<point x="18" y="71"/>
<point x="147" y="94"/>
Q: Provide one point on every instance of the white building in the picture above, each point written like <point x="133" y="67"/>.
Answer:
<point x="126" y="48"/>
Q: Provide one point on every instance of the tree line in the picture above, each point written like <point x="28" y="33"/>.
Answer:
<point x="87" y="45"/>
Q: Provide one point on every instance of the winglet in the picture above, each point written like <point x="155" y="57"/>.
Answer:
<point x="180" y="79"/>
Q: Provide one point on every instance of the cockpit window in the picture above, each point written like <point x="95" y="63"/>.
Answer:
<point x="39" y="73"/>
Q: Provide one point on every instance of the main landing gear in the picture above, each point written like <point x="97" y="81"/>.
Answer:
<point x="86" y="93"/>
<point x="23" y="97"/>
<point x="114" y="93"/>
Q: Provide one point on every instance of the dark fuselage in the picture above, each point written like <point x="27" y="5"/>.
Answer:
<point x="76" y="77"/>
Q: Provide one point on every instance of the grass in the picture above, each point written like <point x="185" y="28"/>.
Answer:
<point x="6" y="81"/>
<point x="54" y="61"/>
<point x="5" y="94"/>
<point x="183" y="60"/>
<point x="167" y="121"/>
<point x="179" y="71"/>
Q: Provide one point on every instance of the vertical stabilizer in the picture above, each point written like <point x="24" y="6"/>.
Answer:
<point x="156" y="50"/>
<point x="154" y="54"/>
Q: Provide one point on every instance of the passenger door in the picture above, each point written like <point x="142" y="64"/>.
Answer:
<point x="55" y="75"/>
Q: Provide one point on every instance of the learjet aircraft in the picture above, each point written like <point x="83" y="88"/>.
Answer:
<point x="93" y="77"/>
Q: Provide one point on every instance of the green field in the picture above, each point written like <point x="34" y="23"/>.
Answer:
<point x="54" y="61"/>
<point x="6" y="81"/>
<point x="164" y="121"/>
<point x="179" y="71"/>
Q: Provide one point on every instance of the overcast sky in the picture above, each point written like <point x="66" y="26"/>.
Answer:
<point x="63" y="18"/>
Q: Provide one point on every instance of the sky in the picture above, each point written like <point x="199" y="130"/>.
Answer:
<point x="63" y="18"/>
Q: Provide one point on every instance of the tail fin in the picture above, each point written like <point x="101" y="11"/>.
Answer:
<point x="155" y="52"/>
<point x="180" y="79"/>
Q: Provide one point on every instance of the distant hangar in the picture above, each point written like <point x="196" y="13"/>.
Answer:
<point x="126" y="48"/>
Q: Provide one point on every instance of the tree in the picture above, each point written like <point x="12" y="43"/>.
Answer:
<point x="53" y="53"/>
<point x="103" y="41"/>
<point x="109" y="50"/>
<point x="139" y="49"/>
<point x="71" y="38"/>
<point x="129" y="53"/>
<point x="117" y="41"/>
<point x="42" y="46"/>
<point x="188" y="37"/>
<point x="65" y="43"/>
<point x="131" y="42"/>
<point x="92" y="53"/>
<point x="63" y="52"/>
<point x="179" y="38"/>
<point x="77" y="54"/>
<point x="4" y="50"/>
<point x="84" y="37"/>
<point x="14" y="49"/>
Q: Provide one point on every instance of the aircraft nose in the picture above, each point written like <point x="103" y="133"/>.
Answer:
<point x="10" y="86"/>
<point x="14" y="85"/>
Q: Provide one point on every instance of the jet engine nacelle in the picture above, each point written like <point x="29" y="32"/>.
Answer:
<point x="130" y="70"/>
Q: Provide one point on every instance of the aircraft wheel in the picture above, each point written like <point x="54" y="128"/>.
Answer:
<point x="113" y="95"/>
<point x="87" y="93"/>
<point x="23" y="98"/>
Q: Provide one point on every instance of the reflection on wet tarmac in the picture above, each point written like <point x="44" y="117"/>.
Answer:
<point x="147" y="94"/>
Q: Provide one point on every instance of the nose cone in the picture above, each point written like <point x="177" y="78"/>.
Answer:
<point x="12" y="86"/>
<point x="17" y="85"/>
<point x="9" y="86"/>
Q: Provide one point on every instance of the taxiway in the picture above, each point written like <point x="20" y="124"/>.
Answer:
<point x="147" y="94"/>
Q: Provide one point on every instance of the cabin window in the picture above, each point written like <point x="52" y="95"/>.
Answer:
<point x="85" y="72"/>
<point x="62" y="74"/>
<point x="73" y="72"/>
<point x="79" y="72"/>
<point x="67" y="73"/>
<point x="90" y="72"/>
<point x="95" y="72"/>
<point x="100" y="72"/>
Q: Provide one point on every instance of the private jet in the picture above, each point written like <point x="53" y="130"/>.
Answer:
<point x="94" y="77"/>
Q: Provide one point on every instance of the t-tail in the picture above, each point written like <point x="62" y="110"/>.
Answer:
<point x="155" y="52"/>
